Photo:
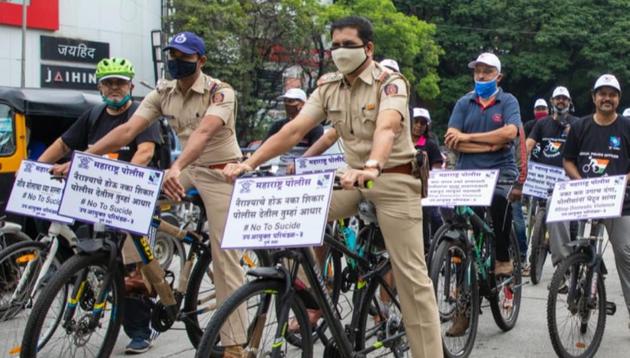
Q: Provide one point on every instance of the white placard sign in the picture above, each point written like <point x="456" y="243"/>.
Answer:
<point x="35" y="194"/>
<point x="593" y="198"/>
<point x="461" y="187"/>
<point x="115" y="193"/>
<point x="283" y="211"/>
<point x="541" y="178"/>
<point x="318" y="164"/>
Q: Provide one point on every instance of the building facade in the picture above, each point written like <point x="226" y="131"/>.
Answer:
<point x="66" y="38"/>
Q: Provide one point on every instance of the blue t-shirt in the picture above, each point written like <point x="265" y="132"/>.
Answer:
<point x="470" y="117"/>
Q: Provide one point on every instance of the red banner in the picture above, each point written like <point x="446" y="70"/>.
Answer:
<point x="40" y="14"/>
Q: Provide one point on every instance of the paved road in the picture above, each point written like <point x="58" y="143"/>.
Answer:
<point x="528" y="339"/>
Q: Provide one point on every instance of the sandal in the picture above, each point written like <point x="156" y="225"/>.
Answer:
<point x="234" y="352"/>
<point x="313" y="317"/>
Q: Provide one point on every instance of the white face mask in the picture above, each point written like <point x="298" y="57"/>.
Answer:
<point x="348" y="60"/>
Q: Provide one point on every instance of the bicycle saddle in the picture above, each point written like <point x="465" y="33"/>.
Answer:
<point x="367" y="212"/>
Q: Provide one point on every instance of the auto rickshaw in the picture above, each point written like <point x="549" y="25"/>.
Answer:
<point x="30" y="120"/>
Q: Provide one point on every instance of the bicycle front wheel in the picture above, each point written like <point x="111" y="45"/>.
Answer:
<point x="576" y="320"/>
<point x="87" y="328"/>
<point x="456" y="288"/>
<point x="21" y="265"/>
<point x="506" y="303"/>
<point x="247" y="324"/>
<point x="539" y="246"/>
<point x="200" y="299"/>
<point x="380" y="320"/>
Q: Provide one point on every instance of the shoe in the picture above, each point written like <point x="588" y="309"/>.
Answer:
<point x="234" y="352"/>
<point x="503" y="268"/>
<point x="313" y="316"/>
<point x="137" y="346"/>
<point x="526" y="270"/>
<point x="508" y="300"/>
<point x="459" y="326"/>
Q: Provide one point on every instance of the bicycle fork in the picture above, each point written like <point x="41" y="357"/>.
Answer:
<point x="80" y="296"/>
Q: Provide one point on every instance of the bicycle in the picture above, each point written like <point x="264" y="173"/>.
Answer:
<point x="462" y="270"/>
<point x="539" y="239"/>
<point x="91" y="286"/>
<point x="276" y="295"/>
<point x="580" y="312"/>
<point x="10" y="233"/>
<point x="34" y="262"/>
<point x="26" y="267"/>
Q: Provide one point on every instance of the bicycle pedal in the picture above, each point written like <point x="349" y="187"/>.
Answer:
<point x="611" y="308"/>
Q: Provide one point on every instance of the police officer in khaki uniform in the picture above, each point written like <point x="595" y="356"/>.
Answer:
<point x="201" y="110"/>
<point x="367" y="106"/>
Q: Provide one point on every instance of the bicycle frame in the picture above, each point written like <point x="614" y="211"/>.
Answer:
<point x="595" y="245"/>
<point x="344" y="339"/>
<point x="477" y="236"/>
<point x="113" y="245"/>
<point x="56" y="231"/>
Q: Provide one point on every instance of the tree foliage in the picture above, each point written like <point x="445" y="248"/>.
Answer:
<point x="541" y="44"/>
<point x="251" y="42"/>
<point x="401" y="37"/>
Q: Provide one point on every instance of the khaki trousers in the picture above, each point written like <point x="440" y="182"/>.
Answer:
<point x="397" y="201"/>
<point x="228" y="273"/>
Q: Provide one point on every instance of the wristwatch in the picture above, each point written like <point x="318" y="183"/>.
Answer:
<point x="373" y="164"/>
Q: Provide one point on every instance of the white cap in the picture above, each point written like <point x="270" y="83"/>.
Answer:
<point x="540" y="103"/>
<point x="561" y="91"/>
<point x="295" y="93"/>
<point x="626" y="112"/>
<point x="487" y="58"/>
<point x="607" y="80"/>
<point x="422" y="112"/>
<point x="391" y="64"/>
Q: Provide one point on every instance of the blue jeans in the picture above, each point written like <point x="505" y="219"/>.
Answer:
<point x="519" y="227"/>
<point x="137" y="317"/>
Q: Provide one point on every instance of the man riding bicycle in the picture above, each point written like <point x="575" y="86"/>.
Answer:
<point x="202" y="112"/>
<point x="546" y="144"/>
<point x="367" y="105"/>
<point x="604" y="137"/>
<point x="114" y="76"/>
<point x="482" y="127"/>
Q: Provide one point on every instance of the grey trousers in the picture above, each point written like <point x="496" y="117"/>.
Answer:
<point x="559" y="237"/>
<point x="618" y="230"/>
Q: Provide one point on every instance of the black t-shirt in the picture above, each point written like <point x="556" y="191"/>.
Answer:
<point x="80" y="136"/>
<point x="600" y="150"/>
<point x="528" y="126"/>
<point x="433" y="151"/>
<point x="308" y="140"/>
<point x="550" y="136"/>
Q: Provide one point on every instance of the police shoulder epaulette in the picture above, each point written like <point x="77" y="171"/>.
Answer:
<point x="330" y="78"/>
<point x="163" y="84"/>
<point x="381" y="74"/>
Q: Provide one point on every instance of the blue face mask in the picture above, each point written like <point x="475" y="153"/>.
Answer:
<point x="486" y="89"/>
<point x="116" y="104"/>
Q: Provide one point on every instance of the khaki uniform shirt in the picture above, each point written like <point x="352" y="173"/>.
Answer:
<point x="184" y="112"/>
<point x="353" y="110"/>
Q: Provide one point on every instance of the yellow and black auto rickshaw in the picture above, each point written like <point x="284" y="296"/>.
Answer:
<point x="30" y="120"/>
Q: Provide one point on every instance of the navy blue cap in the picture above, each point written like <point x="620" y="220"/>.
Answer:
<point x="188" y="43"/>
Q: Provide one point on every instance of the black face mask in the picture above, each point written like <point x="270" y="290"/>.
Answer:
<point x="292" y="111"/>
<point x="180" y="68"/>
